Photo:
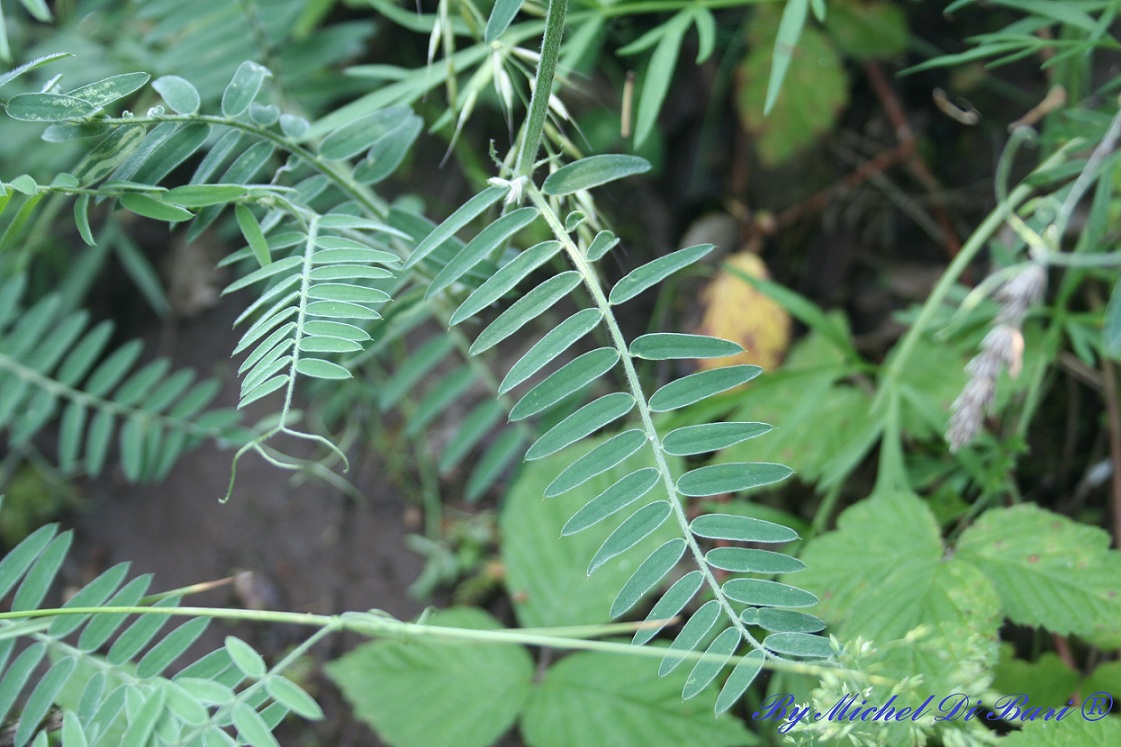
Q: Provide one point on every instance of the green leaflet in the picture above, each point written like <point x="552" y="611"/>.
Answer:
<point x="591" y="172"/>
<point x="552" y="344"/>
<point x="525" y="309"/>
<point x="568" y="379"/>
<point x="701" y="385"/>
<point x="658" y="75"/>
<point x="744" y="560"/>
<point x="251" y="230"/>
<point x="156" y="210"/>
<point x="741" y="529"/>
<point x="739" y="680"/>
<point x="355" y="137"/>
<point x="509" y="275"/>
<point x="638" y="527"/>
<point x="479" y="248"/>
<point x="648" y="575"/>
<point x="585" y="421"/>
<point x="179" y="93"/>
<point x="706" y="437"/>
<point x="761" y="593"/>
<point x="623" y="493"/>
<point x="695" y="630"/>
<point x="730" y="478"/>
<point x="48" y="107"/>
<point x="654" y="272"/>
<point x="671" y="603"/>
<point x="203" y="195"/>
<point x="603" y="242"/>
<point x="457" y="220"/>
<point x="799" y="644"/>
<point x="705" y="671"/>
<point x="785" y="621"/>
<point x="108" y="90"/>
<point x="243" y="88"/>
<point x="600" y="459"/>
<point x="669" y="346"/>
<point x="501" y="15"/>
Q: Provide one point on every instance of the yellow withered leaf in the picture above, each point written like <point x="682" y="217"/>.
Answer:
<point x="734" y="310"/>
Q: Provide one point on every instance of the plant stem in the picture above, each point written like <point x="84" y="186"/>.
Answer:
<point x="543" y="87"/>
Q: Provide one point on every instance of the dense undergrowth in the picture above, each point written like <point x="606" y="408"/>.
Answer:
<point x="584" y="387"/>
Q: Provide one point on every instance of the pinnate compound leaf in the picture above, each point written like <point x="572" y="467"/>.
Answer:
<point x="700" y="385"/>
<point x="655" y="271"/>
<point x="617" y="497"/>
<point x="243" y="88"/>
<point x="637" y="527"/>
<point x="705" y="670"/>
<point x="525" y="309"/>
<point x="730" y="478"/>
<point x="670" y="604"/>
<point x="662" y="346"/>
<point x="592" y="171"/>
<point x="648" y="575"/>
<point x="566" y="380"/>
<point x="601" y="458"/>
<point x="1048" y="570"/>
<point x="552" y="344"/>
<point x="422" y="693"/>
<point x="699" y="439"/>
<point x="607" y="699"/>
<point x="585" y="421"/>
<point x="545" y="571"/>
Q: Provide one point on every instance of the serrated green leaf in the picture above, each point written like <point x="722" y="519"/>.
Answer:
<point x="648" y="575"/>
<point x="701" y="385"/>
<point x="501" y="15"/>
<point x="179" y="94"/>
<point x="502" y="281"/>
<point x="670" y="604"/>
<point x="480" y="247"/>
<point x="591" y="172"/>
<point x="762" y="593"/>
<point x="585" y="421"/>
<point x="457" y="220"/>
<point x="730" y="478"/>
<point x="150" y="207"/>
<point x="1048" y="570"/>
<point x="695" y="630"/>
<point x="615" y="498"/>
<point x="739" y="680"/>
<point x="598" y="699"/>
<point x="705" y="670"/>
<point x="740" y="529"/>
<point x="633" y="530"/>
<point x="668" y="346"/>
<point x="699" y="439"/>
<point x="48" y="107"/>
<point x="525" y="309"/>
<point x="424" y="693"/>
<point x="799" y="644"/>
<point x="243" y="88"/>
<point x="744" y="560"/>
<point x="603" y="457"/>
<point x="655" y="271"/>
<point x="565" y="381"/>
<point x="552" y="344"/>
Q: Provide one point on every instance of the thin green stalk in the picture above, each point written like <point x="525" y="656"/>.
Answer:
<point x="543" y="88"/>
